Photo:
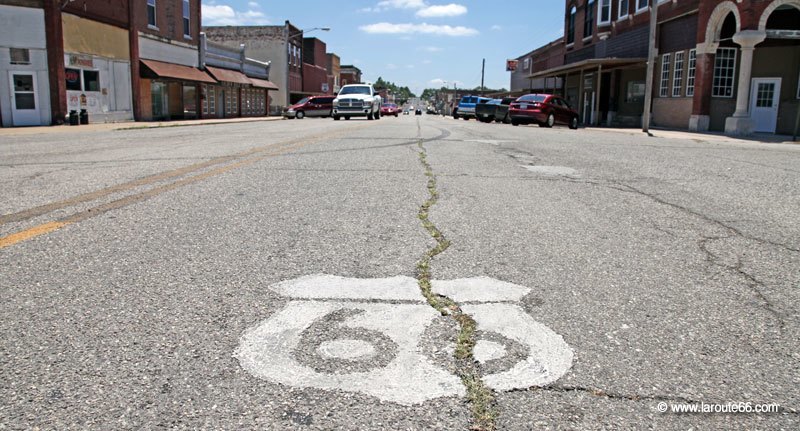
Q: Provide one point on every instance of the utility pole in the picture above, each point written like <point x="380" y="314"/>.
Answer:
<point x="651" y="59"/>
<point x="483" y="70"/>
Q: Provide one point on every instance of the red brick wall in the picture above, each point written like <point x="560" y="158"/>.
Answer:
<point x="313" y="78"/>
<point x="110" y="12"/>
<point x="169" y="19"/>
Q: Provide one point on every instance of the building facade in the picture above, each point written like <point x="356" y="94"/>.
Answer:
<point x="544" y="58"/>
<point x="349" y="74"/>
<point x="281" y="45"/>
<point x="242" y="87"/>
<point x="24" y="73"/>
<point x="731" y="66"/>
<point x="315" y="71"/>
<point x="334" y="72"/>
<point x="97" y="60"/>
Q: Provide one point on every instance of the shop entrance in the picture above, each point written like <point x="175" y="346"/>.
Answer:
<point x="23" y="99"/>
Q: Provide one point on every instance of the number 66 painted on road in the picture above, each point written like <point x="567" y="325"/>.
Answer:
<point x="363" y="335"/>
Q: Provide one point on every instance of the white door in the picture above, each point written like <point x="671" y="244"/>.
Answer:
<point x="24" y="111"/>
<point x="765" y="96"/>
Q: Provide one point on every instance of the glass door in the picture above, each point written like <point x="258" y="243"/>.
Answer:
<point x="23" y="99"/>
<point x="158" y="94"/>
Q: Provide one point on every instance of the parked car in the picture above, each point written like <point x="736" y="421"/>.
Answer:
<point x="466" y="107"/>
<point x="389" y="109"/>
<point x="405" y="111"/>
<point x="314" y="106"/>
<point x="418" y="111"/>
<point x="357" y="100"/>
<point x="501" y="112"/>
<point x="546" y="110"/>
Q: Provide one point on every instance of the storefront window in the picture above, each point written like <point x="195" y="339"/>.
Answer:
<point x="189" y="101"/>
<point x="158" y="94"/>
<point x="91" y="80"/>
<point x="73" y="77"/>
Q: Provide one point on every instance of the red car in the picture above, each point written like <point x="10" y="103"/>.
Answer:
<point x="389" y="109"/>
<point x="314" y="106"/>
<point x="544" y="109"/>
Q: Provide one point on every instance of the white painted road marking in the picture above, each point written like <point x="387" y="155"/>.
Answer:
<point x="407" y="376"/>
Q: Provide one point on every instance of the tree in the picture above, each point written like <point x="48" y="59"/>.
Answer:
<point x="401" y="94"/>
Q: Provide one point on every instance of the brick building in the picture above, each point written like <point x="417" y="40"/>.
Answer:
<point x="540" y="59"/>
<point x="334" y="72"/>
<point x="349" y="74"/>
<point x="315" y="71"/>
<point x="728" y="66"/>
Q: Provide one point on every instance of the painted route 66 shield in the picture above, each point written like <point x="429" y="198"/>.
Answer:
<point x="363" y="335"/>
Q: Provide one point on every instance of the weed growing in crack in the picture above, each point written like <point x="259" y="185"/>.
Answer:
<point x="480" y="398"/>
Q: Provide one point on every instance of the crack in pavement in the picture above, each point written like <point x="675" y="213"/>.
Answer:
<point x="606" y="394"/>
<point x="753" y="283"/>
<point x="481" y="399"/>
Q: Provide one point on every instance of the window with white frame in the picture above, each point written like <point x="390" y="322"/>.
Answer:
<point x="677" y="75"/>
<point x="151" y="13"/>
<point x="186" y="28"/>
<point x="588" y="21"/>
<point x="623" y="8"/>
<point x="641" y="5"/>
<point x="526" y="64"/>
<point x="664" y="88"/>
<point x="571" y="25"/>
<point x="690" y="72"/>
<point x="604" y="12"/>
<point x="724" y="72"/>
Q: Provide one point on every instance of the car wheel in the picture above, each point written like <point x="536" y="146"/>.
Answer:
<point x="551" y="120"/>
<point x="336" y="118"/>
<point x="514" y="123"/>
<point x="395" y="115"/>
<point x="299" y="115"/>
<point x="346" y="117"/>
<point x="466" y="118"/>
<point x="506" y="119"/>
<point x="377" y="115"/>
<point x="573" y="124"/>
<point x="455" y="116"/>
<point x="370" y="116"/>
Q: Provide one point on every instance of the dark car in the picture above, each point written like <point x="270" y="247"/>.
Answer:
<point x="388" y="109"/>
<point x="314" y="106"/>
<point x="546" y="110"/>
<point x="494" y="110"/>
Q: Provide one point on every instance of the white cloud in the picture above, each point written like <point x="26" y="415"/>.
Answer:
<point x="497" y="27"/>
<point x="451" y="9"/>
<point x="438" y="82"/>
<point x="430" y="49"/>
<point x="443" y="30"/>
<point x="402" y="4"/>
<point x="409" y="66"/>
<point x="222" y="14"/>
<point x="253" y="5"/>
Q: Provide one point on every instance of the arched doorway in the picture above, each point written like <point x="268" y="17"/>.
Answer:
<point x="775" y="86"/>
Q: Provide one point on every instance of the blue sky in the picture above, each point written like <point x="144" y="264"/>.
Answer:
<point x="418" y="43"/>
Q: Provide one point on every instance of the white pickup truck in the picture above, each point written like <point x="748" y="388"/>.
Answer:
<point x="357" y="100"/>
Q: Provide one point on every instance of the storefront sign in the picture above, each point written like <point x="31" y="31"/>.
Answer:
<point x="511" y="65"/>
<point x="81" y="60"/>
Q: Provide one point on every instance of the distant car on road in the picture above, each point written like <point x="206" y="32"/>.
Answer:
<point x="466" y="107"/>
<point x="546" y="110"/>
<point x="389" y="109"/>
<point x="405" y="111"/>
<point x="314" y="106"/>
<point x="418" y="111"/>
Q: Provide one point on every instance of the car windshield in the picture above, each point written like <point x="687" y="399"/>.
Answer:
<point x="355" y="90"/>
<point x="493" y="102"/>
<point x="532" y="98"/>
<point x="302" y="101"/>
<point x="390" y="105"/>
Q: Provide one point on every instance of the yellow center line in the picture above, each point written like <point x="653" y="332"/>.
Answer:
<point x="31" y="233"/>
<point x="45" y="228"/>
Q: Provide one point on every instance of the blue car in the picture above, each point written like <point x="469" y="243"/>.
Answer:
<point x="466" y="107"/>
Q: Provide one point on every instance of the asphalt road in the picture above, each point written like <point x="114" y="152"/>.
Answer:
<point x="271" y="276"/>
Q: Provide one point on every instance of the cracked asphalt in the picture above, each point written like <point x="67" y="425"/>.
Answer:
<point x="133" y="262"/>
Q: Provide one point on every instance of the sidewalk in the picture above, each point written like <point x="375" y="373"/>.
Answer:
<point x="130" y="125"/>
<point x="708" y="137"/>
